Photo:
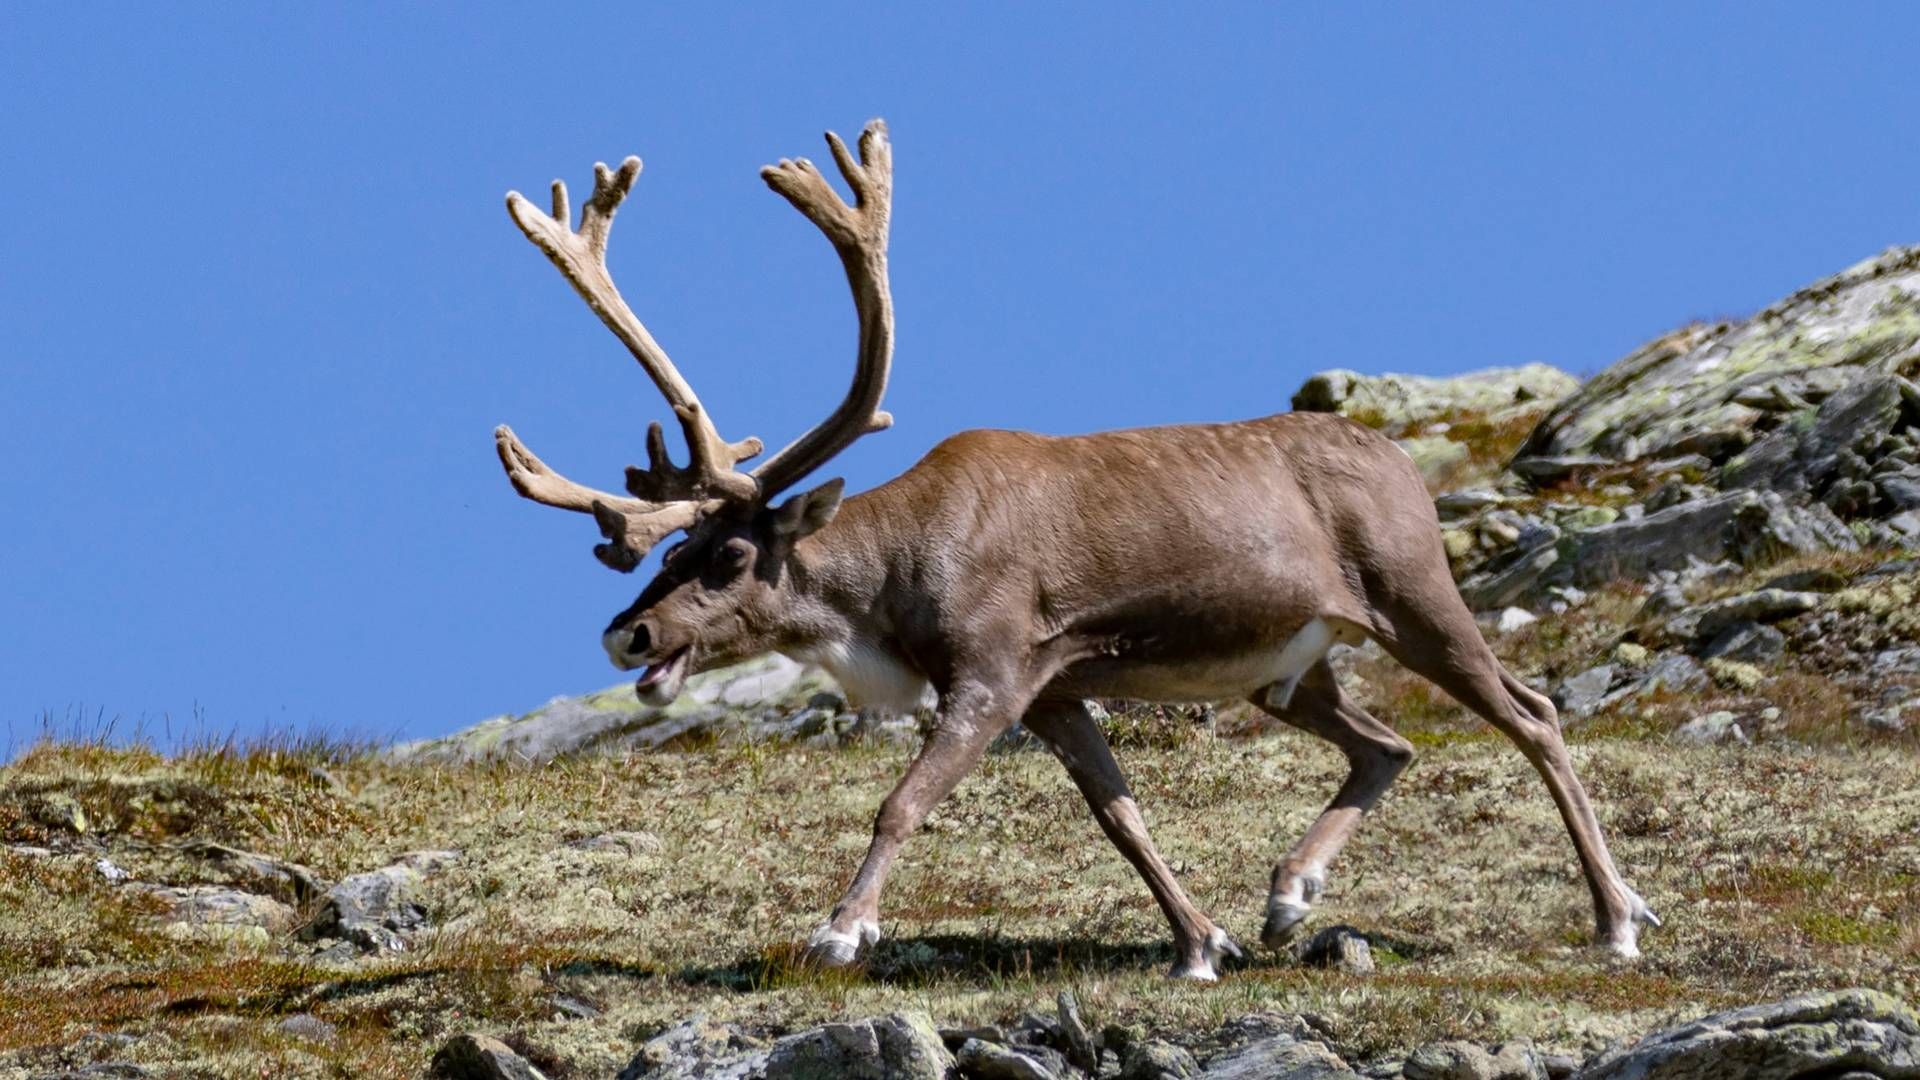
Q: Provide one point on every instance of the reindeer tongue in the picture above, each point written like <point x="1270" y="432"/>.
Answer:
<point x="660" y="683"/>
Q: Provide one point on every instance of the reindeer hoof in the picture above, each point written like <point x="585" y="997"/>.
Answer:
<point x="827" y="947"/>
<point x="1206" y="968"/>
<point x="1284" y="919"/>
<point x="1624" y="941"/>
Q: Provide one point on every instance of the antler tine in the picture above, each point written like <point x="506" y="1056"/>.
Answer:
<point x="859" y="234"/>
<point x="581" y="257"/>
<point x="632" y="527"/>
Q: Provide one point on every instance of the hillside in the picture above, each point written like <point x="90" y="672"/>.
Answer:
<point x="1701" y="553"/>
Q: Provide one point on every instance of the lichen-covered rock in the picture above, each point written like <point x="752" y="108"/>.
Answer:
<point x="898" y="1046"/>
<point x="1280" y="1057"/>
<point x="1156" y="1059"/>
<point x="1467" y="1061"/>
<point x="214" y="906"/>
<point x="979" y="1059"/>
<point x="1392" y="400"/>
<point x="698" y="1049"/>
<point x="1339" y="947"/>
<point x="477" y="1057"/>
<point x="1713" y="389"/>
<point x="767" y="697"/>
<point x="375" y="911"/>
<point x="1831" y="1034"/>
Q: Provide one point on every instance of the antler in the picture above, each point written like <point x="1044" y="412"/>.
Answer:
<point x="667" y="498"/>
<point x="859" y="234"/>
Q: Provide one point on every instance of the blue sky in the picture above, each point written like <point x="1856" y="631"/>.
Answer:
<point x="261" y="307"/>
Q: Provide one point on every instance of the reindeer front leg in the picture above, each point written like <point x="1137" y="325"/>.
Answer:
<point x="970" y="716"/>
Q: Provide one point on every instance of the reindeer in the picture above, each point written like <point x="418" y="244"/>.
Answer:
<point x="1012" y="576"/>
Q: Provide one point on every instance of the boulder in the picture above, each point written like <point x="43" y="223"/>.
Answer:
<point x="898" y="1046"/>
<point x="1339" y="947"/>
<point x="1467" y="1061"/>
<point x="375" y="910"/>
<point x="1833" y="1034"/>
<point x="1396" y="400"/>
<point x="979" y="1059"/>
<point x="1154" y="1059"/>
<point x="767" y="697"/>
<point x="1279" y="1057"/>
<point x="1711" y="389"/>
<point x="477" y="1057"/>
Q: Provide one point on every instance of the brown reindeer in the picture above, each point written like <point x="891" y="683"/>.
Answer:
<point x="1011" y="576"/>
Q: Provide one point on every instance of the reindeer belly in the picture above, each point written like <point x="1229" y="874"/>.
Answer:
<point x="1210" y="676"/>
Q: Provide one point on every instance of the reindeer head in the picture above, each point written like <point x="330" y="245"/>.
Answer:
<point x="719" y="594"/>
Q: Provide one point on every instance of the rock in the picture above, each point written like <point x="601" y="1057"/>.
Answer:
<point x="1713" y="385"/>
<point x="1154" y="1059"/>
<point x="1500" y="587"/>
<point x="1830" y="1034"/>
<point x="1764" y="605"/>
<point x="1281" y="1057"/>
<point x="105" y="1070"/>
<point x="1513" y="618"/>
<point x="477" y="1057"/>
<point x="1437" y="457"/>
<point x="898" y="1046"/>
<point x="1340" y="947"/>
<point x="1082" y="1049"/>
<point x="1741" y="525"/>
<point x="107" y="869"/>
<point x="1393" y="401"/>
<point x="623" y="842"/>
<point x="1714" y="727"/>
<point x="1546" y="471"/>
<point x="1676" y="672"/>
<point x="58" y="810"/>
<point x="572" y="1007"/>
<point x="309" y="1027"/>
<point x="1580" y="695"/>
<point x="698" y="1049"/>
<point x="1458" y="504"/>
<point x="981" y="1060"/>
<point x="1466" y="1061"/>
<point x="759" y="699"/>
<point x="376" y="909"/>
<point x="215" y="905"/>
<point x="1746" y="641"/>
<point x="286" y="881"/>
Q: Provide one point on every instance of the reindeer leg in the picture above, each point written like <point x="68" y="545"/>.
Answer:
<point x="1440" y="642"/>
<point x="970" y="718"/>
<point x="1375" y="756"/>
<point x="1070" y="731"/>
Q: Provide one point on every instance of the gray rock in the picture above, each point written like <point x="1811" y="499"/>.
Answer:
<point x="1545" y="471"/>
<point x="309" y="1027"/>
<point x="1712" y="385"/>
<point x="1763" y="605"/>
<point x="1749" y="642"/>
<point x="1826" y="1034"/>
<point x="898" y="1046"/>
<point x="978" y="1059"/>
<point x="1340" y="947"/>
<point x="1676" y="672"/>
<point x="1397" y="400"/>
<point x="1466" y="1061"/>
<point x="1281" y="1057"/>
<point x="756" y="699"/>
<point x="375" y="910"/>
<point x="1497" y="588"/>
<point x="288" y="881"/>
<point x="1154" y="1059"/>
<point x="1580" y="695"/>
<point x="477" y="1057"/>
<point x="1453" y="505"/>
<point x="698" y="1049"/>
<point x="105" y="1070"/>
<point x="218" y="906"/>
<point x="1743" y="526"/>
<point x="1714" y="727"/>
<point x="1082" y="1049"/>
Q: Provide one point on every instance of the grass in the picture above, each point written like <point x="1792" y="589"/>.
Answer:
<point x="1776" y="869"/>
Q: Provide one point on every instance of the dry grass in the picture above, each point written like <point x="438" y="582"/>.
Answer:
<point x="1775" y="868"/>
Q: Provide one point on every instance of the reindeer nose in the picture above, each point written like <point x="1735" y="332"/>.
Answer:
<point x="624" y="643"/>
<point x="639" y="639"/>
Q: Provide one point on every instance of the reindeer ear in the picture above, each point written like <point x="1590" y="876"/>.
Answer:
<point x="805" y="513"/>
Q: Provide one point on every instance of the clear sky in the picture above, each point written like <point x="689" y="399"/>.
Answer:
<point x="261" y="307"/>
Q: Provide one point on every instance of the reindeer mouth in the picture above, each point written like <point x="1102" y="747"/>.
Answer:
<point x="660" y="683"/>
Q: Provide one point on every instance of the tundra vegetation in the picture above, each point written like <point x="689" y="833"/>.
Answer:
<point x="1700" y="553"/>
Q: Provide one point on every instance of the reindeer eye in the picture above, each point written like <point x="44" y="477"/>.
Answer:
<point x="735" y="553"/>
